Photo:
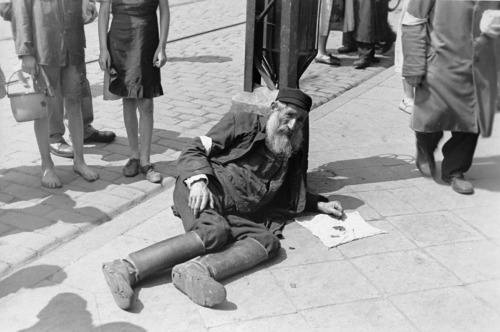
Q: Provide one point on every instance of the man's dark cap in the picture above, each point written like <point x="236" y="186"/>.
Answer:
<point x="296" y="97"/>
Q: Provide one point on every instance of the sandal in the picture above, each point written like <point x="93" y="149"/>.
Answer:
<point x="151" y="175"/>
<point x="131" y="169"/>
<point x="328" y="60"/>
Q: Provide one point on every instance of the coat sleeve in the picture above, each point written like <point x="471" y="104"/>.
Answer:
<point x="194" y="158"/>
<point x="414" y="37"/>
<point x="22" y="27"/>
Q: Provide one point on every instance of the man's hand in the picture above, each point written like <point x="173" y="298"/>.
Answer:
<point x="29" y="65"/>
<point x="333" y="207"/>
<point x="199" y="197"/>
<point x="414" y="81"/>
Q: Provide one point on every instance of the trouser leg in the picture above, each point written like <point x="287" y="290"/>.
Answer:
<point x="458" y="153"/>
<point x="122" y="275"/>
<point x="56" y="119"/>
<point x="366" y="50"/>
<point x="211" y="226"/>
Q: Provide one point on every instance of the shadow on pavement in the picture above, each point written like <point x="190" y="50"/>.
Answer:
<point x="333" y="176"/>
<point x="201" y="58"/>
<point x="29" y="278"/>
<point x="68" y="312"/>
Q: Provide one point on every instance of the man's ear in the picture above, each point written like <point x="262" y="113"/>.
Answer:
<point x="274" y="105"/>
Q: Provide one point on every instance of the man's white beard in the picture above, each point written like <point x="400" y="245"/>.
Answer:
<point x="277" y="139"/>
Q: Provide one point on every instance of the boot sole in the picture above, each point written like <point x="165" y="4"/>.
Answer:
<point x="202" y="290"/>
<point x="123" y="296"/>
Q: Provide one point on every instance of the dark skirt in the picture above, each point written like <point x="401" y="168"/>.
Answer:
<point x="132" y="42"/>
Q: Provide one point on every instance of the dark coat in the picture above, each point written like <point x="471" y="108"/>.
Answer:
<point x="234" y="137"/>
<point x="459" y="86"/>
<point x="52" y="31"/>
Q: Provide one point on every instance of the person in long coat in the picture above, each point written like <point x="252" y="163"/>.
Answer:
<point x="449" y="58"/>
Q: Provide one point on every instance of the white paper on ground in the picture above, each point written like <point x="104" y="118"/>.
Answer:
<point x="333" y="232"/>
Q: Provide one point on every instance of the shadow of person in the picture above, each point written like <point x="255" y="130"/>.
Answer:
<point x="334" y="176"/>
<point x="29" y="277"/>
<point x="23" y="214"/>
<point x="68" y="312"/>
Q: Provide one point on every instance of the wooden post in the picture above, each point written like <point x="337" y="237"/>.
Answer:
<point x="289" y="42"/>
<point x="249" y="71"/>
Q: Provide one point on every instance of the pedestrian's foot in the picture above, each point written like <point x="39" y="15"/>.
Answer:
<point x="327" y="59"/>
<point x="61" y="149"/>
<point x="151" y="174"/>
<point x="50" y="179"/>
<point x="131" y="168"/>
<point x="362" y="63"/>
<point x="460" y="184"/>
<point x="85" y="172"/>
<point x="100" y="136"/>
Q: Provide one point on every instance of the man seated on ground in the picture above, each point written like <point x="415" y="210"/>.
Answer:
<point x="236" y="186"/>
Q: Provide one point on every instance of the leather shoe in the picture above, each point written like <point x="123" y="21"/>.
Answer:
<point x="425" y="162"/>
<point x="120" y="277"/>
<point x="151" y="174"/>
<point x="62" y="149"/>
<point x="362" y="63"/>
<point x="460" y="184"/>
<point x="328" y="60"/>
<point x="100" y="136"/>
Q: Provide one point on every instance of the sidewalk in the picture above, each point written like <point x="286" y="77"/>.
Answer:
<point x="436" y="269"/>
<point x="204" y="71"/>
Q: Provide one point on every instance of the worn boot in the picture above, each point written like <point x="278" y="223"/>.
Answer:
<point x="198" y="278"/>
<point x="122" y="275"/>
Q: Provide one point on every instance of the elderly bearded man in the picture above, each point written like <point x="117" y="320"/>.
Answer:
<point x="235" y="187"/>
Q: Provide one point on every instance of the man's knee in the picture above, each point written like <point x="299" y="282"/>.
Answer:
<point x="269" y="241"/>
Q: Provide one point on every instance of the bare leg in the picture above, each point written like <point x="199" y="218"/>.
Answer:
<point x="49" y="176"/>
<point x="132" y="126"/>
<point x="408" y="91"/>
<point x="322" y="45"/>
<point x="75" y="126"/>
<point x="146" y="108"/>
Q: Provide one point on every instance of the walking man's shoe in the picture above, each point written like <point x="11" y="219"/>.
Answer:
<point x="364" y="62"/>
<point x="62" y="149"/>
<point x="100" y="136"/>
<point x="460" y="184"/>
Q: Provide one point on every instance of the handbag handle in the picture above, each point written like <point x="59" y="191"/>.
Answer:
<point x="48" y="89"/>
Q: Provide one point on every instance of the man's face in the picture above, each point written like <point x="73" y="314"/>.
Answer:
<point x="284" y="134"/>
<point x="290" y="118"/>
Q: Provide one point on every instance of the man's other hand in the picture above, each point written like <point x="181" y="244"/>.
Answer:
<point x="200" y="197"/>
<point x="334" y="208"/>
<point x="29" y="65"/>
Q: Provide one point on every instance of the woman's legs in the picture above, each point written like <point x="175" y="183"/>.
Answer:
<point x="49" y="176"/>
<point x="75" y="126"/>
<point x="132" y="126"/>
<point x="146" y="122"/>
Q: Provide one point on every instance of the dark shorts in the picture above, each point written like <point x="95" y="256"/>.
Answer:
<point x="71" y="80"/>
